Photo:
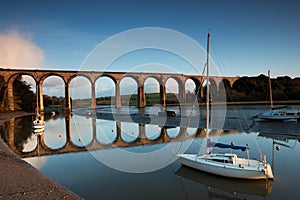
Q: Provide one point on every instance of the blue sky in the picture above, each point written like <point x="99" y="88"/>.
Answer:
<point x="248" y="37"/>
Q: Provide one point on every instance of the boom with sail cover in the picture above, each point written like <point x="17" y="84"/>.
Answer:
<point x="221" y="145"/>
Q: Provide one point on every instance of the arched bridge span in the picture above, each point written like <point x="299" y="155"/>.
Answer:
<point x="9" y="75"/>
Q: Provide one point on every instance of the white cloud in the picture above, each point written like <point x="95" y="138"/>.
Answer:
<point x="19" y="52"/>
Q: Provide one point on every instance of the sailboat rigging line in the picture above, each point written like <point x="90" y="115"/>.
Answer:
<point x="186" y="194"/>
<point x="193" y="108"/>
<point x="217" y="58"/>
<point x="257" y="146"/>
<point x="170" y="166"/>
<point x="205" y="65"/>
<point x="252" y="137"/>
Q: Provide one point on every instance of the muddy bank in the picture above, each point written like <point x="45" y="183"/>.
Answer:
<point x="19" y="180"/>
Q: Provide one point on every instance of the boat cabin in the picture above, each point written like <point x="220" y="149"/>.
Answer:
<point x="223" y="158"/>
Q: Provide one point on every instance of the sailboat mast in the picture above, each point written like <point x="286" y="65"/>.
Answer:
<point x="37" y="99"/>
<point x="270" y="88"/>
<point x="207" y="91"/>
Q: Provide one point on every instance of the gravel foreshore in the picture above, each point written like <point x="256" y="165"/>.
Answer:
<point x="20" y="180"/>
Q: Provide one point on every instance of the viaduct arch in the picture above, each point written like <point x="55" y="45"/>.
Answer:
<point x="9" y="75"/>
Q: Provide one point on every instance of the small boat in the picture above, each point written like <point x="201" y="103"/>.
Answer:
<point x="277" y="114"/>
<point x="38" y="124"/>
<point x="225" y="164"/>
<point x="228" y="165"/>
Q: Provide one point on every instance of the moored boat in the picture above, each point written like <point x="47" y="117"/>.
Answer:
<point x="225" y="164"/>
<point x="277" y="114"/>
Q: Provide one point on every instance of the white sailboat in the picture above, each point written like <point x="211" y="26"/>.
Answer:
<point x="226" y="164"/>
<point x="38" y="124"/>
<point x="277" y="114"/>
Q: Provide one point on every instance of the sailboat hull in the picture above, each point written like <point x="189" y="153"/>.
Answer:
<point x="240" y="169"/>
<point x="278" y="116"/>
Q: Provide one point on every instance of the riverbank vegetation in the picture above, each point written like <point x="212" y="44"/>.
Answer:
<point x="257" y="89"/>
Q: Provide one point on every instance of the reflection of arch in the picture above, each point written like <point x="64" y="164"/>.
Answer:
<point x="143" y="135"/>
<point x="153" y="132"/>
<point x="129" y="132"/>
<point x="46" y="139"/>
<point x="82" y="135"/>
<point x="106" y="132"/>
<point x="191" y="131"/>
<point x="173" y="132"/>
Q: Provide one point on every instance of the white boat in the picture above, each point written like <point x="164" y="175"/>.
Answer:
<point x="277" y="114"/>
<point x="38" y="124"/>
<point x="226" y="164"/>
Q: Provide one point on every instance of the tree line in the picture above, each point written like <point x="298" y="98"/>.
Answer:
<point x="257" y="89"/>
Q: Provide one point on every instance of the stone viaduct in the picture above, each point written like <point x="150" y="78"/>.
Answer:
<point x="9" y="76"/>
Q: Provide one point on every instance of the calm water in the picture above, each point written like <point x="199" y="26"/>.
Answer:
<point x="60" y="153"/>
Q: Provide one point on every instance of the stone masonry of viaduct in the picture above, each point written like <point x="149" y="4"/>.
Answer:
<point x="9" y="75"/>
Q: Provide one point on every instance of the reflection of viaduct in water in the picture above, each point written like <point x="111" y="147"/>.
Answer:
<point x="69" y="147"/>
<point x="9" y="75"/>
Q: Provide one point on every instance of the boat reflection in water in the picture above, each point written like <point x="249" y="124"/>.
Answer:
<point x="279" y="139"/>
<point x="226" y="188"/>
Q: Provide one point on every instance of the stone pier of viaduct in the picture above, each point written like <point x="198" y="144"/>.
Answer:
<point x="9" y="76"/>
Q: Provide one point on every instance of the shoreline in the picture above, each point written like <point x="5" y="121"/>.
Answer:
<point x="287" y="102"/>
<point x="20" y="180"/>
